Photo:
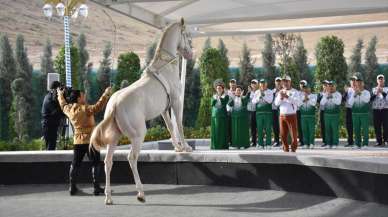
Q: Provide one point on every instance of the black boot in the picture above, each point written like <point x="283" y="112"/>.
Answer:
<point x="72" y="177"/>
<point x="95" y="175"/>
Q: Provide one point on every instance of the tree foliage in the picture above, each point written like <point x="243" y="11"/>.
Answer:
<point x="128" y="68"/>
<point x="268" y="60"/>
<point x="371" y="63"/>
<point x="60" y="67"/>
<point x="7" y="74"/>
<point x="301" y="62"/>
<point x="246" y="67"/>
<point x="83" y="59"/>
<point x="331" y="64"/>
<point x="355" y="58"/>
<point x="212" y="67"/>
<point x="284" y="45"/>
<point x="192" y="94"/>
<point x="104" y="71"/>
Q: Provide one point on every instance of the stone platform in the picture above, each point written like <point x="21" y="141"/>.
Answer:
<point x="343" y="172"/>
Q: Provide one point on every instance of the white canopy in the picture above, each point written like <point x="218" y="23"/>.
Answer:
<point x="204" y="17"/>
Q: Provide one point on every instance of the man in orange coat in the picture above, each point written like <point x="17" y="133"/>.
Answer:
<point x="81" y="116"/>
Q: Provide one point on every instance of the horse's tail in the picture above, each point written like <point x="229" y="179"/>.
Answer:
<point x="97" y="139"/>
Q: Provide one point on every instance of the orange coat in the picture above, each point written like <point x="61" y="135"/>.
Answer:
<point x="81" y="117"/>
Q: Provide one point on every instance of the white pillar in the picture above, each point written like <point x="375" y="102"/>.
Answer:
<point x="182" y="97"/>
<point x="66" y="23"/>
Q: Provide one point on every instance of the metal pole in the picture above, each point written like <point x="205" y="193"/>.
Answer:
<point x="66" y="22"/>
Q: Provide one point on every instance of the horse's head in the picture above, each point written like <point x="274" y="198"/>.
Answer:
<point x="184" y="45"/>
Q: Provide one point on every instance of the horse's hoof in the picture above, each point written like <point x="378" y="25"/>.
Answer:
<point x="180" y="149"/>
<point x="188" y="149"/>
<point x="141" y="199"/>
<point x="108" y="202"/>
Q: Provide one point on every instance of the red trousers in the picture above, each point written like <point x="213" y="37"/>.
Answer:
<point x="289" y="124"/>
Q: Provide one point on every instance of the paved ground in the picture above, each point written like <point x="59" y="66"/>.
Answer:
<point x="171" y="200"/>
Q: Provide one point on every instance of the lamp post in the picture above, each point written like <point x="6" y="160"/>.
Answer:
<point x="66" y="9"/>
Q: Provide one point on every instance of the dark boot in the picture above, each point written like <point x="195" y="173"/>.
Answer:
<point x="73" y="173"/>
<point x="95" y="175"/>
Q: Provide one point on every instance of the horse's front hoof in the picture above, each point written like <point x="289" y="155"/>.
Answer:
<point x="108" y="202"/>
<point x="188" y="148"/>
<point x="179" y="149"/>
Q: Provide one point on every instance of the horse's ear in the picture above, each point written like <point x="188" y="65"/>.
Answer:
<point x="182" y="21"/>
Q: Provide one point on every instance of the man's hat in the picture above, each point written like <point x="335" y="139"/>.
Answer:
<point x="303" y="82"/>
<point x="278" y="79"/>
<point x="331" y="82"/>
<point x="380" y="76"/>
<point x="353" y="78"/>
<point x="232" y="80"/>
<point x="263" y="80"/>
<point x="287" y="78"/>
<point x="325" y="82"/>
<point x="254" y="81"/>
<point x="218" y="82"/>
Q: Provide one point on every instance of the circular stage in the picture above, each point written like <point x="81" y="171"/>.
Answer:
<point x="343" y="173"/>
<point x="178" y="200"/>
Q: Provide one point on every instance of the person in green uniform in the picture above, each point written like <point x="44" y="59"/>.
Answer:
<point x="263" y="100"/>
<point x="307" y="114"/>
<point x="239" y="115"/>
<point x="360" y="113"/>
<point x="331" y="101"/>
<point x="219" y="119"/>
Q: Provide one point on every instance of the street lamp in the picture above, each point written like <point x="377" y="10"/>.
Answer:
<point x="66" y="9"/>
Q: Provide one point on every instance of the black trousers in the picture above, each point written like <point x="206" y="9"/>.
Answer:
<point x="253" y="127"/>
<point x="300" y="133"/>
<point x="349" y="125"/>
<point x="380" y="123"/>
<point x="79" y="153"/>
<point x="50" y="135"/>
<point x="275" y="121"/>
<point x="322" y="123"/>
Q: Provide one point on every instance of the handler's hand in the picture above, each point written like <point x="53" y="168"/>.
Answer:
<point x="60" y="91"/>
<point x="108" y="90"/>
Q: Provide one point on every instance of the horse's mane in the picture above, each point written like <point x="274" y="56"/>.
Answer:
<point x="163" y="38"/>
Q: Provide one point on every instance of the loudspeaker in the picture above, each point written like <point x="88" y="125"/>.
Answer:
<point x="51" y="77"/>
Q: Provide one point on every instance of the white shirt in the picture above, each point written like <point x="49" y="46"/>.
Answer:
<point x="275" y="93"/>
<point x="364" y="98"/>
<point x="231" y="96"/>
<point x="237" y="102"/>
<point x="263" y="97"/>
<point x="335" y="100"/>
<point x="288" y="106"/>
<point x="350" y="94"/>
<point x="312" y="100"/>
<point x="251" y="106"/>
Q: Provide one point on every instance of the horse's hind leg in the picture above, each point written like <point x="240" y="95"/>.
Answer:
<point x="108" y="168"/>
<point x="133" y="157"/>
<point x="167" y="120"/>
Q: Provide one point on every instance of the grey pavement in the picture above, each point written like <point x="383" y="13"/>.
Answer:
<point x="172" y="200"/>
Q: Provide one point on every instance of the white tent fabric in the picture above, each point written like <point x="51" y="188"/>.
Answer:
<point x="204" y="17"/>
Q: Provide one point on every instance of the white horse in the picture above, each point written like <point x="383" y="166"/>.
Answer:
<point x="153" y="94"/>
